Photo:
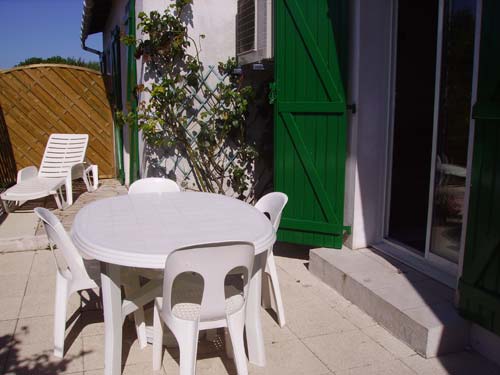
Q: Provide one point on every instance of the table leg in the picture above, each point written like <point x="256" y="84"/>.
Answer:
<point x="255" y="338"/>
<point x="112" y="306"/>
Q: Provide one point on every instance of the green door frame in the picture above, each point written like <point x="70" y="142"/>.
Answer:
<point x="132" y="95"/>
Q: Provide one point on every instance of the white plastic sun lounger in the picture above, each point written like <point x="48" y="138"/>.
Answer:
<point x="62" y="162"/>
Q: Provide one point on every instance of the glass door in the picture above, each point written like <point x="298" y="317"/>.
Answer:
<point x="433" y="82"/>
<point x="451" y="136"/>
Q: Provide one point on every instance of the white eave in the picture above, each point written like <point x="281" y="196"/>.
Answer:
<point x="94" y="15"/>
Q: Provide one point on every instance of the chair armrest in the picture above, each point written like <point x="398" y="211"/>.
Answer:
<point x="27" y="173"/>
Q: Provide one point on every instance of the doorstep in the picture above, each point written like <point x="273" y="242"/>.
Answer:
<point x="413" y="307"/>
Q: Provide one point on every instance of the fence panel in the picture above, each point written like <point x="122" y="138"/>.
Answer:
<point x="7" y="163"/>
<point x="42" y="99"/>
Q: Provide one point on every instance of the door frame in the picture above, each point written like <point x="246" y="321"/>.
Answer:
<point x="428" y="263"/>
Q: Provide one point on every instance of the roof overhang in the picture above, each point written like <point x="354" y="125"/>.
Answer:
<point x="95" y="14"/>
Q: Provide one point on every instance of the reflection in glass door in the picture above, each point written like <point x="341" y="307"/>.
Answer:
<point x="430" y="134"/>
<point x="451" y="140"/>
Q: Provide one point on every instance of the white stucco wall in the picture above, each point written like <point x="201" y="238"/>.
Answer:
<point x="370" y="62"/>
<point x="216" y="19"/>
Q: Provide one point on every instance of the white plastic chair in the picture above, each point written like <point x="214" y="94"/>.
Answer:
<point x="213" y="262"/>
<point x="62" y="162"/>
<point x="153" y="185"/>
<point x="73" y="277"/>
<point x="273" y="204"/>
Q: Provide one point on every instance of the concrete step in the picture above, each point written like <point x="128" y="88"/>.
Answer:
<point x="413" y="307"/>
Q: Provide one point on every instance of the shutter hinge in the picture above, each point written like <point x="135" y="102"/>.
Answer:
<point x="352" y="108"/>
<point x="272" y="92"/>
<point x="347" y="229"/>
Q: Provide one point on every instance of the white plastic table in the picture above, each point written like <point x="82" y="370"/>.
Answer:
<point x="140" y="230"/>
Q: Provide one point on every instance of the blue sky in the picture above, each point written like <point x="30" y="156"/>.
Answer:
<point x="42" y="28"/>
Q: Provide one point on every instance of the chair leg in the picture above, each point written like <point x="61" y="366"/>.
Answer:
<point x="266" y="291"/>
<point x="59" y="201"/>
<point x="236" y="325"/>
<point x="157" y="339"/>
<point x="69" y="191"/>
<point x="60" y="310"/>
<point x="91" y="177"/>
<point x="276" y="289"/>
<point x="228" y="344"/>
<point x="186" y="334"/>
<point x="132" y="285"/>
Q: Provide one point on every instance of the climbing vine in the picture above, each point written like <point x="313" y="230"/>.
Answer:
<point x="183" y="113"/>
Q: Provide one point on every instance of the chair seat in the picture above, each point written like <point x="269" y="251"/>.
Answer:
<point x="191" y="311"/>
<point x="32" y="188"/>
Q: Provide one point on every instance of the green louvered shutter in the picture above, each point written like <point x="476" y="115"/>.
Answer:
<point x="479" y="285"/>
<point x="310" y="122"/>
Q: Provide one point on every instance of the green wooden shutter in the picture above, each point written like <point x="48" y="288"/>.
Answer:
<point x="132" y="95"/>
<point x="479" y="285"/>
<point x="116" y="97"/>
<point x="310" y="122"/>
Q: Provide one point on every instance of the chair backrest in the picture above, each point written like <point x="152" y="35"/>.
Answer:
<point x="153" y="185"/>
<point x="57" y="235"/>
<point x="273" y="204"/>
<point x="212" y="262"/>
<point x="61" y="153"/>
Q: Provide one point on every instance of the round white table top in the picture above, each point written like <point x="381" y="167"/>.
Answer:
<point x="140" y="230"/>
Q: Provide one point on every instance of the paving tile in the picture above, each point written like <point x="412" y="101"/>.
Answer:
<point x="38" y="359"/>
<point x="289" y="358"/>
<point x="388" y="341"/>
<point x="41" y="284"/>
<point x="13" y="285"/>
<point x="43" y="304"/>
<point x="35" y="330"/>
<point x="302" y="289"/>
<point x="141" y="369"/>
<point x="297" y="268"/>
<point x="7" y="328"/>
<point x="37" y="305"/>
<point x="356" y="316"/>
<point x="44" y="263"/>
<point x="314" y="317"/>
<point x="293" y="289"/>
<point x="463" y="363"/>
<point x="212" y="365"/>
<point x="94" y="349"/>
<point x="87" y="323"/>
<point x="346" y="350"/>
<point x="395" y="367"/>
<point x="131" y="352"/>
<point x="18" y="224"/>
<point x="10" y="307"/>
<point x="16" y="263"/>
<point x="272" y="331"/>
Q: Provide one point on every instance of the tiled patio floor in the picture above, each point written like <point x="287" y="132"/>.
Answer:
<point x="325" y="334"/>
